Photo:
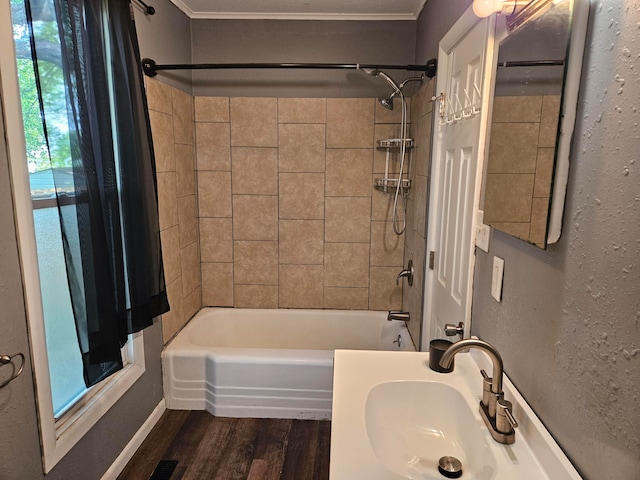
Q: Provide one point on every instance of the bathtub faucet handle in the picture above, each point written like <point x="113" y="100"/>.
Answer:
<point x="407" y="272"/>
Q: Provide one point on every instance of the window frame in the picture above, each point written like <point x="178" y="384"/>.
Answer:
<point x="57" y="437"/>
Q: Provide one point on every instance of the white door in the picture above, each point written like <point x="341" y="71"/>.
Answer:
<point x="456" y="172"/>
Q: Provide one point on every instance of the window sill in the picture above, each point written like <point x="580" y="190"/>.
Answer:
<point x="59" y="437"/>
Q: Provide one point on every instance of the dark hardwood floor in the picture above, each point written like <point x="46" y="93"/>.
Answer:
<point x="215" y="448"/>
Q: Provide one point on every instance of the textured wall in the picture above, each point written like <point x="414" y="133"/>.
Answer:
<point x="289" y="41"/>
<point x="569" y="323"/>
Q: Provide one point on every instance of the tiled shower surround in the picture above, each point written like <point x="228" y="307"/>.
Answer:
<point x="171" y="113"/>
<point x="416" y="233"/>
<point x="286" y="214"/>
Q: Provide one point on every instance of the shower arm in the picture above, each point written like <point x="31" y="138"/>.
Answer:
<point x="411" y="79"/>
<point x="151" y="68"/>
<point x="397" y="92"/>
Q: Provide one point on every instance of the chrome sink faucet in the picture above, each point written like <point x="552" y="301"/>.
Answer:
<point x="494" y="409"/>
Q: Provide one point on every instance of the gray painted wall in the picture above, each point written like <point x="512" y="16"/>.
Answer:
<point x="171" y="37"/>
<point x="20" y="449"/>
<point x="568" y="326"/>
<point x="434" y="22"/>
<point x="291" y="41"/>
<point x="166" y="38"/>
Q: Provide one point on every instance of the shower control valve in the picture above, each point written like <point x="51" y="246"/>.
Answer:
<point x="407" y="272"/>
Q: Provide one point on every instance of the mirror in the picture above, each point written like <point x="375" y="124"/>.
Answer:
<point x="532" y="119"/>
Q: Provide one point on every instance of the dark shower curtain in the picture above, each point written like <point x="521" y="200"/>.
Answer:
<point x="112" y="244"/>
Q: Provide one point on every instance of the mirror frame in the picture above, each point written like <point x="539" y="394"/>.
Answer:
<point x="568" y="112"/>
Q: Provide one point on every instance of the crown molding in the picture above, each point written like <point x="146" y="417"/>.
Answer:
<point x="189" y="12"/>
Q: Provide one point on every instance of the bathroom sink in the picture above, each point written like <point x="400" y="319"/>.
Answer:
<point x="393" y="419"/>
<point x="412" y="424"/>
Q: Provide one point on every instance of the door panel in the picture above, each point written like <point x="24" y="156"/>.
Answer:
<point x="450" y="293"/>
<point x="458" y="151"/>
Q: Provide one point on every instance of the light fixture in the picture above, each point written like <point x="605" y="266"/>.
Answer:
<point x="531" y="11"/>
<point x="485" y="8"/>
<point x="518" y="12"/>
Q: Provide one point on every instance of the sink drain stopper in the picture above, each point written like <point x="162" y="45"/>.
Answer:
<point x="450" y="467"/>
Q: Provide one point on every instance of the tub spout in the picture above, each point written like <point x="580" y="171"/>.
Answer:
<point x="402" y="316"/>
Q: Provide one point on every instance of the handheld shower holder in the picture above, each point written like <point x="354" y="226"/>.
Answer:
<point x="384" y="184"/>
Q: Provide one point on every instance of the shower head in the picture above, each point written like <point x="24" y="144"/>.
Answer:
<point x="388" y="101"/>
<point x="397" y="90"/>
<point x="377" y="73"/>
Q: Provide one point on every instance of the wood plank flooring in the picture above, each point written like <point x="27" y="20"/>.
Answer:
<point x="215" y="448"/>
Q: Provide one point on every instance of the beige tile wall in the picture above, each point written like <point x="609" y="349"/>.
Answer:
<point x="172" y="126"/>
<point x="288" y="216"/>
<point x="269" y="203"/>
<point x="521" y="159"/>
<point x="415" y="241"/>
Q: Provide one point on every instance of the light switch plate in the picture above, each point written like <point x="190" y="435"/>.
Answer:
<point x="496" y="278"/>
<point x="482" y="232"/>
<point x="482" y="237"/>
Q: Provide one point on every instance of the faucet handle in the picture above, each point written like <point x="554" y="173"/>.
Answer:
<point x="408" y="273"/>
<point x="505" y="422"/>
<point x="487" y="381"/>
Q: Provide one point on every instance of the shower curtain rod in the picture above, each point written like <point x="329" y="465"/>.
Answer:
<point x="531" y="63"/>
<point x="151" y="68"/>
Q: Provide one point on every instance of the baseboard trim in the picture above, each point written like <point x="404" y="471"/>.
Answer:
<point x="118" y="465"/>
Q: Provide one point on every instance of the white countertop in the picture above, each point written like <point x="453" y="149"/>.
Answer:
<point x="534" y="455"/>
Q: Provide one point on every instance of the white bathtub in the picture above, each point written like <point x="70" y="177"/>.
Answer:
<point x="268" y="363"/>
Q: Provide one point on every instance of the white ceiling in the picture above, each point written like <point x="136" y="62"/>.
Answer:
<point x="303" y="9"/>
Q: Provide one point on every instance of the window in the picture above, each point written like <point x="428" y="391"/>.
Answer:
<point x="63" y="353"/>
<point x="67" y="408"/>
